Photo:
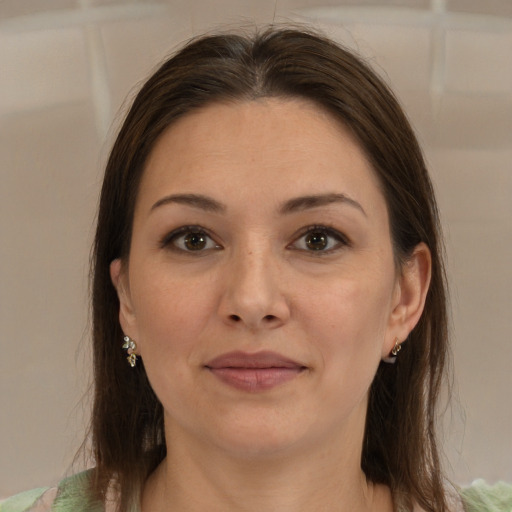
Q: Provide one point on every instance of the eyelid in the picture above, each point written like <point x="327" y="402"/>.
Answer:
<point x="342" y="239"/>
<point x="166" y="242"/>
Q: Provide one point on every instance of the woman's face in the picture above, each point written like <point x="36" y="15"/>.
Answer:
<point x="261" y="287"/>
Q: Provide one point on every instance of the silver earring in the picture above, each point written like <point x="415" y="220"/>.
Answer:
<point x="391" y="359"/>
<point x="130" y="346"/>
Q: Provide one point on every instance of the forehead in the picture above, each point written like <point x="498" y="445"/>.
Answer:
<point x="269" y="146"/>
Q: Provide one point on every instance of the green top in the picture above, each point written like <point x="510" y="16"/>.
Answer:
<point x="72" y="496"/>
<point x="481" y="497"/>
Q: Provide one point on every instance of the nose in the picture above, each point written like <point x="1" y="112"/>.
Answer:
<point x="252" y="292"/>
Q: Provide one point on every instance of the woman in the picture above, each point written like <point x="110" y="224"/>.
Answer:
<point x="268" y="254"/>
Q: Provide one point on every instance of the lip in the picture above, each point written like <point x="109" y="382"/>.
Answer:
<point x="256" y="372"/>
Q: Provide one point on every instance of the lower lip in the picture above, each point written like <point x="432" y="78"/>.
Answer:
<point x="255" y="379"/>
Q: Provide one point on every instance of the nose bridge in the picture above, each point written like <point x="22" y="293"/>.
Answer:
<point x="254" y="268"/>
<point x="253" y="294"/>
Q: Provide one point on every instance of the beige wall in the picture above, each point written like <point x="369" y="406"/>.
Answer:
<point x="60" y="87"/>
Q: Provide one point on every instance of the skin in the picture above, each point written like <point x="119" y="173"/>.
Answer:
<point x="257" y="285"/>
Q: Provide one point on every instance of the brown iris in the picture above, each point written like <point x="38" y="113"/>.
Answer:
<point x="316" y="241"/>
<point x="195" y="241"/>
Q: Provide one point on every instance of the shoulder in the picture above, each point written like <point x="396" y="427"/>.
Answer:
<point x="71" y="495"/>
<point x="481" y="497"/>
<point x="25" y="501"/>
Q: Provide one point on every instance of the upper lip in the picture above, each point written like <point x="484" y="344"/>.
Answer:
<point x="265" y="359"/>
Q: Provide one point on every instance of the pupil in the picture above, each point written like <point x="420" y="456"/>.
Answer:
<point x="316" y="241"/>
<point x="195" y="241"/>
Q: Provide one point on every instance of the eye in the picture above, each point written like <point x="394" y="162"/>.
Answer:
<point x="320" y="239"/>
<point x="189" y="239"/>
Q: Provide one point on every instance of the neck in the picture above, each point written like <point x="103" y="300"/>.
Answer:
<point x="195" y="478"/>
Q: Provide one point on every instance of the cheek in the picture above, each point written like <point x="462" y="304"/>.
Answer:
<point x="347" y="327"/>
<point x="171" y="318"/>
<point x="348" y="310"/>
<point x="170" y="314"/>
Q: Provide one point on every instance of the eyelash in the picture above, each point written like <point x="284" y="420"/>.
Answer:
<point x="341" y="240"/>
<point x="170" y="239"/>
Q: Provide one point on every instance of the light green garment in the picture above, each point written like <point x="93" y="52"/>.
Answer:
<point x="480" y="497"/>
<point x="21" y="501"/>
<point x="72" y="496"/>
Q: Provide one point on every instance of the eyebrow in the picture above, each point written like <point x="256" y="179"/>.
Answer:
<point x="314" y="201"/>
<point x="195" y="200"/>
<point x="296" y="204"/>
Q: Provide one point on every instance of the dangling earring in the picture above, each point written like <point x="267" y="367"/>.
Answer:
<point x="391" y="359"/>
<point x="130" y="346"/>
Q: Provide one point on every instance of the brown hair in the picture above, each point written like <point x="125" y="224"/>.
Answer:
<point x="127" y="424"/>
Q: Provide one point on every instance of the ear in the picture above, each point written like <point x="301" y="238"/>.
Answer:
<point x="120" y="281"/>
<point x="409" y="296"/>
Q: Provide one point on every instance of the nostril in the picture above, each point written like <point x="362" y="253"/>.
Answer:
<point x="266" y="318"/>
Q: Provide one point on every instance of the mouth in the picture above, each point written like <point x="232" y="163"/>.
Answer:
<point x="254" y="372"/>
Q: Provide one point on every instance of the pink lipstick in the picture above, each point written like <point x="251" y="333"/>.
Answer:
<point x="254" y="372"/>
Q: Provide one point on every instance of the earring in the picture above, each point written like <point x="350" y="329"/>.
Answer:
<point x="130" y="346"/>
<point x="391" y="359"/>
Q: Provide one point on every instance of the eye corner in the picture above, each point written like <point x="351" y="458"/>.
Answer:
<point x="189" y="240"/>
<point x="323" y="240"/>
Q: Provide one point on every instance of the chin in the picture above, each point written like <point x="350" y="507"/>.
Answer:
<point x="258" y="447"/>
<point x="259" y="438"/>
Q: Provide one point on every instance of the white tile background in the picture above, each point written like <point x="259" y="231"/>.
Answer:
<point x="62" y="87"/>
